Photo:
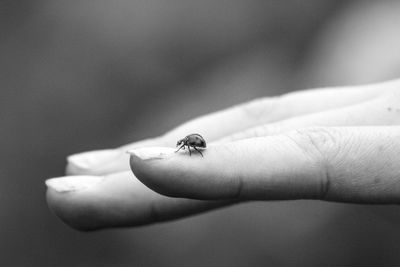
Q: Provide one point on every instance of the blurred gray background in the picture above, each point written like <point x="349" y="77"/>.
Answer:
<point x="84" y="75"/>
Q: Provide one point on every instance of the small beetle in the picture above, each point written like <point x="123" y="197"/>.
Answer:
<point x="192" y="141"/>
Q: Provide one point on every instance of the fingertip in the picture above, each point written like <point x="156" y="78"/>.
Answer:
<point x="70" y="211"/>
<point x="149" y="166"/>
<point x="87" y="203"/>
<point x="183" y="174"/>
<point x="92" y="159"/>
<point x="105" y="161"/>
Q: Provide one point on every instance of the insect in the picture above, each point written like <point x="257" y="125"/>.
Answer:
<point x="194" y="141"/>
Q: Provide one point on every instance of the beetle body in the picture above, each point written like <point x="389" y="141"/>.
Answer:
<point x="194" y="141"/>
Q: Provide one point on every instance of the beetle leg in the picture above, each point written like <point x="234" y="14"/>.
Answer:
<point x="182" y="146"/>
<point x="190" y="152"/>
<point x="198" y="151"/>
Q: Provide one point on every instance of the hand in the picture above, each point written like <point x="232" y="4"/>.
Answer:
<point x="338" y="144"/>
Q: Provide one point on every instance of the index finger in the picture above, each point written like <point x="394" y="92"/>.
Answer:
<point x="342" y="164"/>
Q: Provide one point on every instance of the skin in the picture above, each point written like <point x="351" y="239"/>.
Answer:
<point x="333" y="144"/>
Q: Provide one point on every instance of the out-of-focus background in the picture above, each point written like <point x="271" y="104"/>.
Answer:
<point x="84" y="75"/>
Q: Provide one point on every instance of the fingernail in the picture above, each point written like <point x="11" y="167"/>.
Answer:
<point x="149" y="153"/>
<point x="92" y="159"/>
<point x="72" y="183"/>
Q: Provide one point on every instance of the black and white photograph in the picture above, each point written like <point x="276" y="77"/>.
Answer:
<point x="241" y="133"/>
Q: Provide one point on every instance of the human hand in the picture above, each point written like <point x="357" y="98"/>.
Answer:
<point x="338" y="144"/>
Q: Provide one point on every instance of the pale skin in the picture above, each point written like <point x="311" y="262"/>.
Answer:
<point x="332" y="144"/>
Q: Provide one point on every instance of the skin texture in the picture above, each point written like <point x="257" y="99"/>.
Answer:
<point x="333" y="144"/>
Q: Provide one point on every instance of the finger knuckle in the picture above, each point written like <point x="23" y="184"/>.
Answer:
<point x="318" y="142"/>
<point x="321" y="146"/>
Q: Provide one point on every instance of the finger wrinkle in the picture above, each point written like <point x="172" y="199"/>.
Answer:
<point x="239" y="188"/>
<point x="154" y="212"/>
<point x="320" y="146"/>
<point x="325" y="184"/>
